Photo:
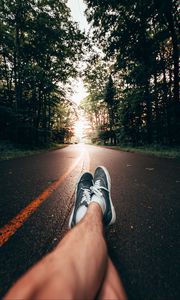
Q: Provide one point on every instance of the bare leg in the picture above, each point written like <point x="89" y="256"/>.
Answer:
<point x="112" y="288"/>
<point x="74" y="270"/>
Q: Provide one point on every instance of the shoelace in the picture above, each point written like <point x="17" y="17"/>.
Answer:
<point x="86" y="197"/>
<point x="97" y="187"/>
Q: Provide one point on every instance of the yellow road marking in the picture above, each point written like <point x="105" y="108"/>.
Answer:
<point x="9" y="229"/>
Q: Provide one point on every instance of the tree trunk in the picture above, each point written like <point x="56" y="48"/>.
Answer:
<point x="157" y="116"/>
<point x="17" y="63"/>
<point x="175" y="55"/>
<point x="167" y="104"/>
<point x="6" y="73"/>
<point x="148" y="113"/>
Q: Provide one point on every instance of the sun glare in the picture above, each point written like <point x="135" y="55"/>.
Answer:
<point x="79" y="128"/>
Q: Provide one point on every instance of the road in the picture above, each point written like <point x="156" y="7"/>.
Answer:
<point x="36" y="197"/>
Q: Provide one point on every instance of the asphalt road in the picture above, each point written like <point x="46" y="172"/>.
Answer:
<point x="143" y="243"/>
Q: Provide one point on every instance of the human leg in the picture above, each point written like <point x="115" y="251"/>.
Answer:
<point x="79" y="266"/>
<point x="74" y="270"/>
<point x="112" y="287"/>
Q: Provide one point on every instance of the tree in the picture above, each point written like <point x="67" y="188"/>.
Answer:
<point x="141" y="38"/>
<point x="40" y="48"/>
<point x="109" y="98"/>
<point x="95" y="76"/>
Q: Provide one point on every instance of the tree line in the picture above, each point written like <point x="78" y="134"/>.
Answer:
<point x="132" y="80"/>
<point x="40" y="47"/>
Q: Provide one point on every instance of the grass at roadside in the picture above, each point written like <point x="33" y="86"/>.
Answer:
<point x="9" y="150"/>
<point x="156" y="150"/>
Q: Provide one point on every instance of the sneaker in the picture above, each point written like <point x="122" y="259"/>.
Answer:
<point x="101" y="194"/>
<point x="82" y="197"/>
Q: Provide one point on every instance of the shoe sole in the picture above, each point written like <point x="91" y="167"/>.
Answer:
<point x="113" y="219"/>
<point x="71" y="216"/>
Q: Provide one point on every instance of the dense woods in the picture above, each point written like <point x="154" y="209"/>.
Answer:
<point x="133" y="81"/>
<point x="131" y="71"/>
<point x="40" y="47"/>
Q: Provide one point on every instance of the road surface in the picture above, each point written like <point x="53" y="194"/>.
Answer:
<point x="36" y="197"/>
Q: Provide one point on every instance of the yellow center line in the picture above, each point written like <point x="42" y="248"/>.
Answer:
<point x="9" y="229"/>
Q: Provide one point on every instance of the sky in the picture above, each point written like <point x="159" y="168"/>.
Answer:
<point x="77" y="11"/>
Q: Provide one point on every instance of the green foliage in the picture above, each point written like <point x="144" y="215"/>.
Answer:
<point x="109" y="92"/>
<point x="95" y="76"/>
<point x="62" y="135"/>
<point x="155" y="150"/>
<point x="106" y="135"/>
<point x="9" y="150"/>
<point x="40" y="48"/>
<point x="140" y="39"/>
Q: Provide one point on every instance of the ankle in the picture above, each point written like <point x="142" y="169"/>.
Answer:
<point x="100" y="201"/>
<point x="93" y="220"/>
<point x="94" y="215"/>
<point x="95" y="209"/>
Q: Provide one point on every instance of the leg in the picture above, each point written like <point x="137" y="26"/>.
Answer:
<point x="74" y="270"/>
<point x="79" y="266"/>
<point x="112" y="288"/>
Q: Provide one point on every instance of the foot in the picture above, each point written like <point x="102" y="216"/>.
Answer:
<point x="102" y="196"/>
<point x="82" y="198"/>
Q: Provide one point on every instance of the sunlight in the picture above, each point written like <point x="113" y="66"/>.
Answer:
<point x="79" y="91"/>
<point x="82" y="129"/>
<point x="79" y="129"/>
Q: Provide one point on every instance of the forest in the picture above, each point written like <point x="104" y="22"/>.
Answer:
<point x="133" y="82"/>
<point x="131" y="73"/>
<point x="40" y="47"/>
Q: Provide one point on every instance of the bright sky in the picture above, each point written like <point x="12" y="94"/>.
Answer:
<point x="79" y="91"/>
<point x="77" y="10"/>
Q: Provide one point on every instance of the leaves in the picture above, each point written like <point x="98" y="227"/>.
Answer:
<point x="140" y="39"/>
<point x="40" y="49"/>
